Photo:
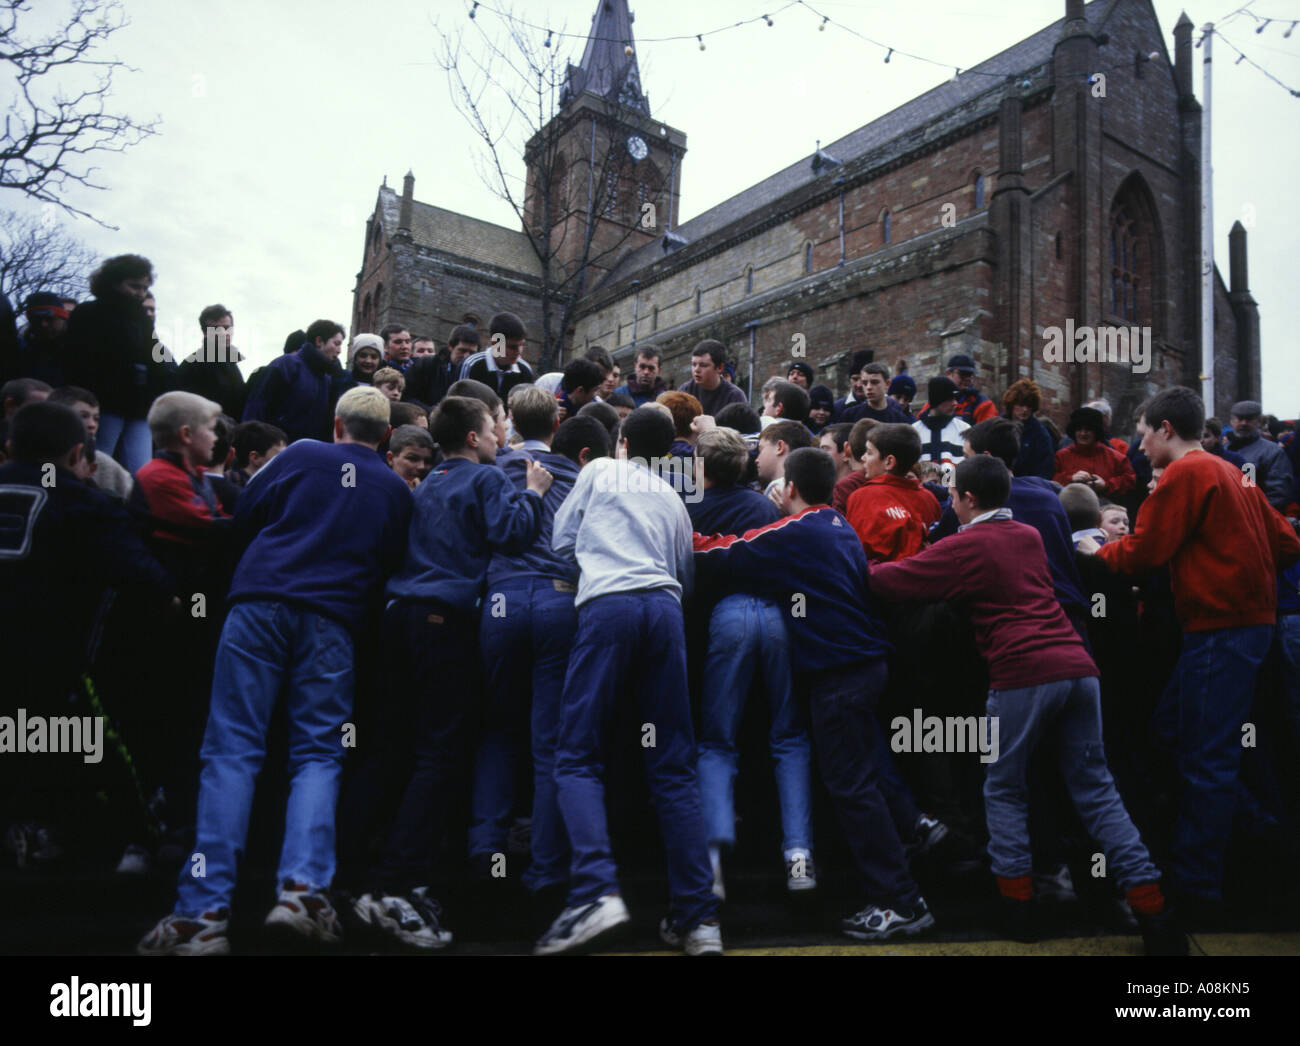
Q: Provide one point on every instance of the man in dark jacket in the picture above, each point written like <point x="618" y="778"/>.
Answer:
<point x="1271" y="465"/>
<point x="644" y="384"/>
<point x="299" y="391"/>
<point x="213" y="370"/>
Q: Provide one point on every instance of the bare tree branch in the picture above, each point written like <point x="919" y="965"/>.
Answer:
<point x="52" y="132"/>
<point x="37" y="255"/>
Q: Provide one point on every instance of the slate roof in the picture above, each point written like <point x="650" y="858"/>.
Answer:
<point x="606" y="69"/>
<point x="461" y="235"/>
<point x="1021" y="58"/>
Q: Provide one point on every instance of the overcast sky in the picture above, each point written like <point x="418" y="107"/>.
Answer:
<point x="279" y="119"/>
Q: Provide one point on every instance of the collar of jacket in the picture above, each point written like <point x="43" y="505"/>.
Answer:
<point x="315" y="359"/>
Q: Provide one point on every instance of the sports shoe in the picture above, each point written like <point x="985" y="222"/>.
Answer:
<point x="306" y="912"/>
<point x="414" y="920"/>
<point x="929" y="833"/>
<point x="705" y="939"/>
<point x="875" y="923"/>
<point x="135" y="861"/>
<point x="1161" y="934"/>
<point x="1055" y="886"/>
<point x="800" y="873"/>
<point x="582" y="926"/>
<point x="180" y="935"/>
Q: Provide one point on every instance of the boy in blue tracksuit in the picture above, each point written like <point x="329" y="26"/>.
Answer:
<point x="526" y="629"/>
<point x="305" y="580"/>
<point x="465" y="512"/>
<point x="631" y="536"/>
<point x="813" y="563"/>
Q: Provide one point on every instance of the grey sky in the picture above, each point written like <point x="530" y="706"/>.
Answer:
<point x="279" y="119"/>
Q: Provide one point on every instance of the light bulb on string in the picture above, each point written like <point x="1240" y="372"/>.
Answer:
<point x="888" y="56"/>
<point x="700" y="38"/>
<point x="1239" y="58"/>
<point x="1262" y="26"/>
<point x="548" y="39"/>
<point x="472" y="10"/>
<point x="822" y="28"/>
<point x="1287" y="34"/>
<point x="768" y="20"/>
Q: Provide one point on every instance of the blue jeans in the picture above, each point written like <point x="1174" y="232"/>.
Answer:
<point x="1067" y="716"/>
<point x="268" y="647"/>
<point x="525" y="634"/>
<point x="747" y="636"/>
<point x="632" y="647"/>
<point x="1199" y="718"/>
<point x="128" y="440"/>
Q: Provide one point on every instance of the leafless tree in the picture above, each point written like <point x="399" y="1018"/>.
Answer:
<point x="510" y="90"/>
<point x="37" y="255"/>
<point x="59" y="84"/>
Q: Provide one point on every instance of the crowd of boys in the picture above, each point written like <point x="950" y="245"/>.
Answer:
<point x="461" y="583"/>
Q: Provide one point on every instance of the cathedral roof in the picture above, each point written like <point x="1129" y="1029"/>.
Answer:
<point x="906" y="127"/>
<point x="462" y="236"/>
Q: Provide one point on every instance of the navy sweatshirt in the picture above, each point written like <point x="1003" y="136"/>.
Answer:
<point x="731" y="510"/>
<point x="1034" y="501"/>
<point x="538" y="558"/>
<point x="464" y="513"/>
<point x="813" y="567"/>
<point x="327" y="523"/>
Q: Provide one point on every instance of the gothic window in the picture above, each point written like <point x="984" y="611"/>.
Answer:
<point x="379" y="300"/>
<point x="1124" y="265"/>
<point x="979" y="192"/>
<point x="807" y="257"/>
<point x="378" y="238"/>
<point x="886" y="229"/>
<point x="654" y="319"/>
<point x="699" y="299"/>
<point x="610" y="210"/>
<point x="749" y="280"/>
<point x="367" y="317"/>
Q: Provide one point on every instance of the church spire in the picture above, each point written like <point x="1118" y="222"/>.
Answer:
<point x="608" y="67"/>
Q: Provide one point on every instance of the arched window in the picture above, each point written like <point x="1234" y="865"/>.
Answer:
<point x="699" y="300"/>
<point x="1125" y="283"/>
<point x="749" y="279"/>
<point x="379" y="300"/>
<point x="559" y="189"/>
<point x="610" y="209"/>
<point x="654" y="318"/>
<point x="367" y="315"/>
<point x="886" y="227"/>
<point x="979" y="192"/>
<point x="377" y="240"/>
<point x="807" y="257"/>
<point x="1058" y="246"/>
<point x="471" y="320"/>
<point x="1135" y="257"/>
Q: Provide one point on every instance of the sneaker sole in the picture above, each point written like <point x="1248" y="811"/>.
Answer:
<point x="303" y="927"/>
<point x="381" y="925"/>
<point x="591" y="942"/>
<point x="910" y="930"/>
<point x="215" y="946"/>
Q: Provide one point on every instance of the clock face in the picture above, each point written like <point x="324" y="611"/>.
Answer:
<point x="637" y="148"/>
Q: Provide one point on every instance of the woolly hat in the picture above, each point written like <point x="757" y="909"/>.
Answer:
<point x="904" y="385"/>
<point x="803" y="368"/>
<point x="860" y="359"/>
<point x="366" y="341"/>
<point x="961" y="362"/>
<point x="942" y="389"/>
<point x="1086" y="418"/>
<point x="821" y="396"/>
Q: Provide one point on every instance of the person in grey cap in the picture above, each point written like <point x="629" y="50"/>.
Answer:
<point x="367" y="351"/>
<point x="1272" y="469"/>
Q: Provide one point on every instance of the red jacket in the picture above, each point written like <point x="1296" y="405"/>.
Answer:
<point x="1099" y="460"/>
<point x="892" y="515"/>
<point x="996" y="571"/>
<point x="1224" y="543"/>
<point x="169" y="492"/>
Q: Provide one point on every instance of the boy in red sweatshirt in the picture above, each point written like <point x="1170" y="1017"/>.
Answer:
<point x="1042" y="686"/>
<point x="1225" y="546"/>
<point x="892" y="513"/>
<point x="1089" y="461"/>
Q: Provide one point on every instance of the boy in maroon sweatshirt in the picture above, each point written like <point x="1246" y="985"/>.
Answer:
<point x="1225" y="546"/>
<point x="1042" y="686"/>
